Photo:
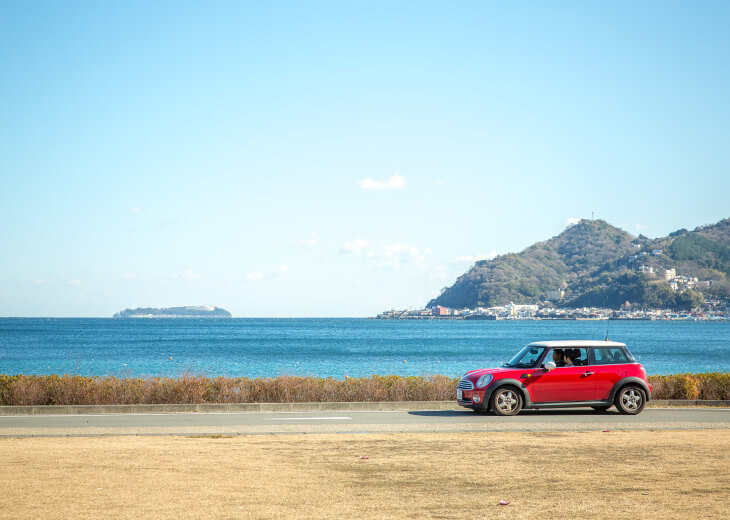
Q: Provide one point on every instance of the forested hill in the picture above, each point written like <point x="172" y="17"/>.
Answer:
<point x="597" y="264"/>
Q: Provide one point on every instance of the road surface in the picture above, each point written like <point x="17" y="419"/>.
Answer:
<point x="258" y="423"/>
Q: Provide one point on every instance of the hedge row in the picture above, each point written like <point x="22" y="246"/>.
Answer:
<point x="79" y="390"/>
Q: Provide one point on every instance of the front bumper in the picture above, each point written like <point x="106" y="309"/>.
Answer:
<point x="472" y="398"/>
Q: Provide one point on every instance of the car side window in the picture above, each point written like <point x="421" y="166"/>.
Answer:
<point x="609" y="356"/>
<point x="578" y="355"/>
<point x="600" y="356"/>
<point x="567" y="357"/>
<point x="549" y="356"/>
<point x="619" y="356"/>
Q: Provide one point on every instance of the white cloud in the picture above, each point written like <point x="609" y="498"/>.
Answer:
<point x="641" y="227"/>
<point x="438" y="183"/>
<point x="136" y="209"/>
<point x="130" y="276"/>
<point x="470" y="259"/>
<point x="396" y="182"/>
<point x="74" y="281"/>
<point x="355" y="247"/>
<point x="186" y="275"/>
<point x="572" y="221"/>
<point x="386" y="255"/>
<point x="308" y="242"/>
<point x="38" y="281"/>
<point x="264" y="275"/>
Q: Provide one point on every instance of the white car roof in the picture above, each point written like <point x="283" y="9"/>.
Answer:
<point x="576" y="343"/>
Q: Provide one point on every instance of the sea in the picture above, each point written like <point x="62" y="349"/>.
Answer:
<point x="336" y="348"/>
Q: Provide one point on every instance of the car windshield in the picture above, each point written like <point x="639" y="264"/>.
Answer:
<point x="526" y="358"/>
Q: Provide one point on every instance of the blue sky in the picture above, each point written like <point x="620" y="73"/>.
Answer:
<point x="339" y="158"/>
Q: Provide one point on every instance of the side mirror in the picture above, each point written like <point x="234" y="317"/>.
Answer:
<point x="549" y="366"/>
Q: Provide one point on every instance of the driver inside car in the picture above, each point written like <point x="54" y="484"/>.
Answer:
<point x="558" y="357"/>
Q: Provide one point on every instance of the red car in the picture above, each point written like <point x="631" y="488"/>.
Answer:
<point x="559" y="374"/>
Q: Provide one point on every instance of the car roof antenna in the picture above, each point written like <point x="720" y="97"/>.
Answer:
<point x="608" y="322"/>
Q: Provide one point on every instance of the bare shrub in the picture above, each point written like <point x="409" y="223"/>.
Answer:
<point x="193" y="389"/>
<point x="708" y="386"/>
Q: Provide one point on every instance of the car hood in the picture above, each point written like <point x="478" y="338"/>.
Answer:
<point x="476" y="374"/>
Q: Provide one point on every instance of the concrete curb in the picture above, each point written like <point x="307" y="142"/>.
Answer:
<point x="277" y="407"/>
<point x="687" y="402"/>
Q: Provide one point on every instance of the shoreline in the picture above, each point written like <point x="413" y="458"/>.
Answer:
<point x="538" y="318"/>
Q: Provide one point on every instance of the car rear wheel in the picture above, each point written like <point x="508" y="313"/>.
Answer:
<point x="630" y="400"/>
<point x="506" y="401"/>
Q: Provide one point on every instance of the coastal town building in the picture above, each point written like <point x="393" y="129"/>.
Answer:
<point x="520" y="310"/>
<point x="682" y="283"/>
<point x="555" y="295"/>
<point x="713" y="309"/>
<point x="441" y="311"/>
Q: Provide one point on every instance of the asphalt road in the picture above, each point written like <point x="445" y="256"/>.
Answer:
<point x="258" y="423"/>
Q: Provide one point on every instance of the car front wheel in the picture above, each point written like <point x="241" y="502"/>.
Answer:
<point x="630" y="400"/>
<point x="506" y="401"/>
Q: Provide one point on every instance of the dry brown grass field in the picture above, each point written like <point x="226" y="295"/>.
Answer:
<point x="636" y="475"/>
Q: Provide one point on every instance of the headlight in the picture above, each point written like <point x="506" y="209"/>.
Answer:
<point x="484" y="380"/>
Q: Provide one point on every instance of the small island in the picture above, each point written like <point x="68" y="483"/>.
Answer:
<point x="206" y="311"/>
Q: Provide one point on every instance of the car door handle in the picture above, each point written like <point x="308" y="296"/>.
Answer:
<point x="586" y="374"/>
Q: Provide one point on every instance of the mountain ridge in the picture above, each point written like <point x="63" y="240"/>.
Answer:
<point x="598" y="264"/>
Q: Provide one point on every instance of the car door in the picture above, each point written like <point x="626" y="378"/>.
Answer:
<point x="564" y="384"/>
<point x="606" y="365"/>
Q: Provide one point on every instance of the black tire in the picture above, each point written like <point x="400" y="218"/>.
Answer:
<point x="601" y="408"/>
<point x="630" y="400"/>
<point x="506" y="400"/>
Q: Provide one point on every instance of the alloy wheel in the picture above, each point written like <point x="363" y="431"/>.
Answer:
<point x="506" y="402"/>
<point x="630" y="400"/>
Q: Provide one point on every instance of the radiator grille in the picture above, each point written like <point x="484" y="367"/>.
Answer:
<point x="465" y="384"/>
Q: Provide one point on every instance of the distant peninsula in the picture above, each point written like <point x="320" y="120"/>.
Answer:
<point x="206" y="311"/>
<point x="594" y="264"/>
